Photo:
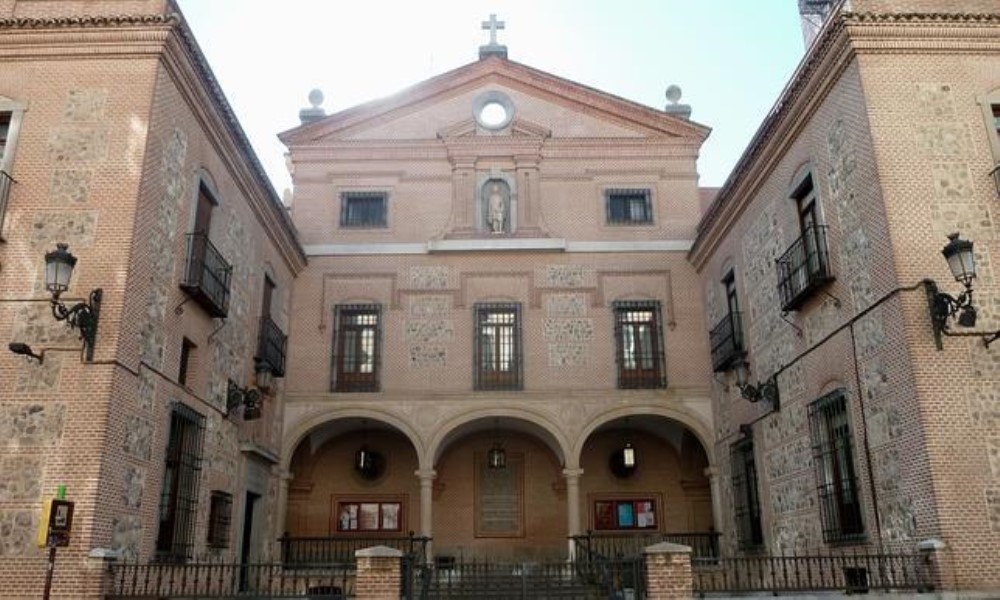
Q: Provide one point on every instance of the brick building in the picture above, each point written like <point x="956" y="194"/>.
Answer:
<point x="812" y="260"/>
<point x="118" y="142"/>
<point x="497" y="268"/>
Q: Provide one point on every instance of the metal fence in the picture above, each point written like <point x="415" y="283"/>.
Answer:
<point x="851" y="573"/>
<point x="302" y="551"/>
<point x="129" y="581"/>
<point x="611" y="545"/>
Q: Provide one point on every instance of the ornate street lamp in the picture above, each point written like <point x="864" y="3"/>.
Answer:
<point x="85" y="314"/>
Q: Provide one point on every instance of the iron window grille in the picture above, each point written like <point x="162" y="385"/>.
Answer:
<point x="207" y="275"/>
<point x="179" y="494"/>
<point x="629" y="206"/>
<point x="837" y="485"/>
<point x="639" y="345"/>
<point x="746" y="498"/>
<point x="219" y="518"/>
<point x="804" y="267"/>
<point x="271" y="346"/>
<point x="357" y="348"/>
<point x="363" y="209"/>
<point x="726" y="339"/>
<point x="497" y="352"/>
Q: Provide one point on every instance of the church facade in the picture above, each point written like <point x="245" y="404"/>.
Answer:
<point x="497" y="272"/>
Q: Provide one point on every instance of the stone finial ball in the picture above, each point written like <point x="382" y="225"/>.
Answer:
<point x="674" y="93"/>
<point x="316" y="97"/>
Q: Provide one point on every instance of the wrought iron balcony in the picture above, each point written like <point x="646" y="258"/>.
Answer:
<point x="726" y="339"/>
<point x="803" y="268"/>
<point x="5" y="181"/>
<point x="271" y="342"/>
<point x="206" y="278"/>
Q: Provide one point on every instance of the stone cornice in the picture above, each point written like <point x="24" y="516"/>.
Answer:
<point x="89" y="21"/>
<point x="844" y="36"/>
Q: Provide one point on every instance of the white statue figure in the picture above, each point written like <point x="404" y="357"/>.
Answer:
<point x="497" y="209"/>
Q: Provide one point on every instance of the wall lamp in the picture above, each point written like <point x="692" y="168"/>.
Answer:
<point x="762" y="390"/>
<point x="83" y="315"/>
<point x="943" y="306"/>
<point x="25" y="350"/>
<point x="249" y="398"/>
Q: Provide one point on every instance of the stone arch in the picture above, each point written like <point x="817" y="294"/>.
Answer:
<point x="701" y="430"/>
<point x="528" y="422"/>
<point x="297" y="432"/>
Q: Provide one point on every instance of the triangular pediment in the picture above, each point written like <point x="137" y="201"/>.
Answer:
<point x="545" y="106"/>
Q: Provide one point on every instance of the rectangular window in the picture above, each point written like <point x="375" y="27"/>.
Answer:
<point x="5" y="178"/>
<point x="836" y="479"/>
<point x="996" y="119"/>
<point x="363" y="209"/>
<point x="369" y="516"/>
<point x="805" y="265"/>
<point x="4" y="131"/>
<point x="619" y="515"/>
<point x="639" y="345"/>
<point x="356" y="348"/>
<point x="179" y="494"/>
<point x="629" y="207"/>
<point x="498" y="346"/>
<point x="746" y="501"/>
<point x="219" y="516"/>
<point x="187" y="355"/>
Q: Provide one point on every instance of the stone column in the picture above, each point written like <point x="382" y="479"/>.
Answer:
<point x="572" y="505"/>
<point x="713" y="481"/>
<point x="379" y="572"/>
<point x="284" y="479"/>
<point x="668" y="571"/>
<point x="427" y="505"/>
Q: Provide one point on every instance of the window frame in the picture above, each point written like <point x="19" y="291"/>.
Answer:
<point x="746" y="494"/>
<point x="357" y="379"/>
<point x="178" y="507"/>
<point x="652" y="374"/>
<point x="188" y="357"/>
<point x="15" y="115"/>
<point x="488" y="368"/>
<point x="840" y="502"/>
<point x="990" y="105"/>
<point x="353" y="524"/>
<point x="628" y="196"/>
<point x="622" y="514"/>
<point x="381" y="220"/>
<point x="220" y="515"/>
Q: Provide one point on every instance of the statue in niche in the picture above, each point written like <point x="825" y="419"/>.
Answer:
<point x="497" y="201"/>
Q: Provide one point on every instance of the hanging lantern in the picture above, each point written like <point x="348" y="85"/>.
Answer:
<point x="628" y="456"/>
<point x="497" y="457"/>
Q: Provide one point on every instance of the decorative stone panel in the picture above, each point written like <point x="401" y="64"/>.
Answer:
<point x="993" y="508"/>
<point x="40" y="377"/>
<point x="935" y="101"/>
<point x="565" y="276"/>
<point x="74" y="228"/>
<point x="78" y="144"/>
<point x="993" y="450"/>
<point x="34" y="325"/>
<point x="952" y="180"/>
<point x="819" y="321"/>
<point x="565" y="305"/>
<point x="71" y="186"/>
<point x="874" y="382"/>
<point x="770" y="338"/>
<point x="86" y="105"/>
<point x="884" y="426"/>
<point x="17" y="532"/>
<point x="21" y="479"/>
<point x="793" y="496"/>
<point x="423" y="332"/>
<point x="942" y="140"/>
<point x="793" y="382"/>
<point x="31" y="424"/>
<point x="568" y="355"/>
<point x="138" y="437"/>
<point x="428" y="356"/>
<point x="796" y="535"/>
<point x="146" y="394"/>
<point x="134" y="486"/>
<point x="220" y="442"/>
<point x="899" y="522"/>
<point x="569" y="330"/>
<point x="426" y="307"/>
<point x="984" y="406"/>
<point x="126" y="536"/>
<point x="789" y="459"/>
<point x="429" y="277"/>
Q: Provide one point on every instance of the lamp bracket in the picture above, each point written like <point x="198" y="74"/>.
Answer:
<point x="944" y="306"/>
<point x="764" y="390"/>
<point x="84" y="315"/>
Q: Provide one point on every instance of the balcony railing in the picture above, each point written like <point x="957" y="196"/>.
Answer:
<point x="206" y="278"/>
<point x="271" y="342"/>
<point x="727" y="341"/>
<point x="803" y="268"/>
<point x="5" y="181"/>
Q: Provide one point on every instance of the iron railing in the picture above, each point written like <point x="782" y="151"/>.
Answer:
<point x="135" y="581"/>
<point x="5" y="181"/>
<point x="726" y="340"/>
<point x="611" y="545"/>
<point x="851" y="573"/>
<point x="271" y="344"/>
<point x="206" y="277"/>
<point x="297" y="551"/>
<point x="803" y="268"/>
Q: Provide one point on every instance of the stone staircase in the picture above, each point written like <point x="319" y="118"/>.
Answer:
<point x="508" y="582"/>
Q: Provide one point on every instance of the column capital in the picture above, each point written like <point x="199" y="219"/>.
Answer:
<point x="572" y="473"/>
<point x="711" y="472"/>
<point x="425" y="474"/>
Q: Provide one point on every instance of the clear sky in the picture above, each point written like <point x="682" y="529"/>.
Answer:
<point x="731" y="57"/>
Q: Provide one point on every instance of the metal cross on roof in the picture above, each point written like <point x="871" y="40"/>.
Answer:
<point x="493" y="25"/>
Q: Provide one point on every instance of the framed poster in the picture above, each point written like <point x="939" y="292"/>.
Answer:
<point x="368" y="514"/>
<point x="615" y="513"/>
